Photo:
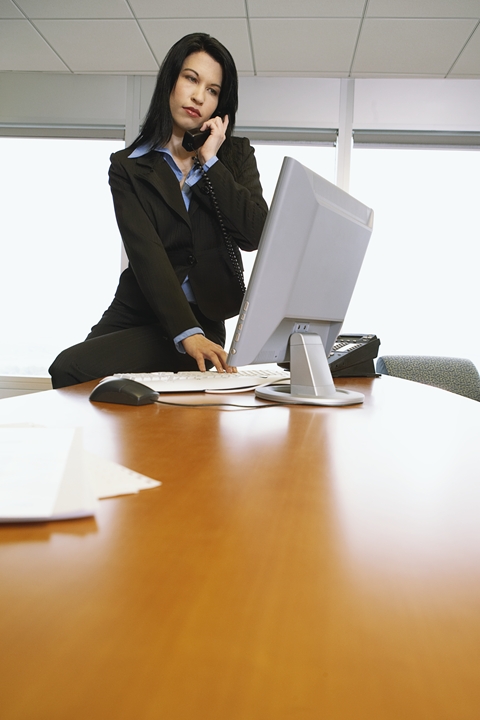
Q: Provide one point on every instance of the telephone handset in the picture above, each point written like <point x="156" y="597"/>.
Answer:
<point x="195" y="139"/>
<point x="191" y="142"/>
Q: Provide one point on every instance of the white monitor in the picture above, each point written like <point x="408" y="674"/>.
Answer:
<point x="309" y="258"/>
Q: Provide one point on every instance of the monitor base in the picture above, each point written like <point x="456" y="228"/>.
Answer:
<point x="311" y="381"/>
<point x="282" y="394"/>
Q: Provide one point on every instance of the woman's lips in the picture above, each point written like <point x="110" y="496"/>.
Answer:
<point x="193" y="112"/>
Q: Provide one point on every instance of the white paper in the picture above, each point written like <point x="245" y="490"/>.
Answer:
<point x="110" y="479"/>
<point x="42" y="475"/>
<point x="45" y="474"/>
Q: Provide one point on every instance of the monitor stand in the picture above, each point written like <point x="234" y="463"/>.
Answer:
<point x="311" y="381"/>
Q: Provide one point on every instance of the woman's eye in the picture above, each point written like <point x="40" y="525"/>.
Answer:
<point x="213" y="91"/>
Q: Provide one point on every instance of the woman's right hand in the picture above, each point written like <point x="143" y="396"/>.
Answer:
<point x="201" y="348"/>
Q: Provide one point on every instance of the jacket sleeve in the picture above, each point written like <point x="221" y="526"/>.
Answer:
<point x="147" y="257"/>
<point x="240" y="199"/>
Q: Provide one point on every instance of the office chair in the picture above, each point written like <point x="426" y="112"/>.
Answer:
<point x="457" y="375"/>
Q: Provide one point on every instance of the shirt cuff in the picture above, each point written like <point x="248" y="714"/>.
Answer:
<point x="196" y="174"/>
<point x="178" y="340"/>
<point x="210" y="162"/>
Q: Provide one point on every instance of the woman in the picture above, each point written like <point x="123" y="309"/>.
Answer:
<point x="178" y="211"/>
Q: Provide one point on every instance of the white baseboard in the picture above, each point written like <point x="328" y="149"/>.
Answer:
<point x="11" y="385"/>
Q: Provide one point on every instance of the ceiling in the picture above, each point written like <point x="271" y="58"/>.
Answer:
<point x="299" y="38"/>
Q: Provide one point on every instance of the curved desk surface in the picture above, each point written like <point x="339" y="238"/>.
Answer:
<point x="297" y="562"/>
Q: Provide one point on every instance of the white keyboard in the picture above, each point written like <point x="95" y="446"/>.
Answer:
<point x="210" y="381"/>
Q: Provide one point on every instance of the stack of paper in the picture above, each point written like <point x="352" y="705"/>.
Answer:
<point x="46" y="475"/>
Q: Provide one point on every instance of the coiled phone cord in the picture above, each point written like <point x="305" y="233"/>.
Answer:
<point x="228" y="240"/>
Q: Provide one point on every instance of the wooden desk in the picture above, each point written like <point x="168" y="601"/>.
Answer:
<point x="297" y="562"/>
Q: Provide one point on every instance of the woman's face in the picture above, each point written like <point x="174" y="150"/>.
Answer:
<point x="195" y="95"/>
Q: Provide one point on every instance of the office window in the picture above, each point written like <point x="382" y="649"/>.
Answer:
<point x="60" y="243"/>
<point x="418" y="288"/>
<point x="269" y="156"/>
<point x="60" y="246"/>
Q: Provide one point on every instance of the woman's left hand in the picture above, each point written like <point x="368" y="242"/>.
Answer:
<point x="212" y="144"/>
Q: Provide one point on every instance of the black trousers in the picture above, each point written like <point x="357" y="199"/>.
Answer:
<point x="124" y="341"/>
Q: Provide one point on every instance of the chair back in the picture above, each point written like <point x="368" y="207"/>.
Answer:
<point x="457" y="375"/>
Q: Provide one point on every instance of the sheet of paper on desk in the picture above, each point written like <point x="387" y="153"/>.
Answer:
<point x="45" y="474"/>
<point x="110" y="479"/>
<point x="42" y="475"/>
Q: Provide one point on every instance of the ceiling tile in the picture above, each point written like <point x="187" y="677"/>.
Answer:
<point x="397" y="75"/>
<point x="310" y="38"/>
<point x="8" y="10"/>
<point x="99" y="45"/>
<point x="56" y="9"/>
<point x="411" y="47"/>
<point x="424" y="8"/>
<point x="23" y="49"/>
<point x="464" y="76"/>
<point x="468" y="63"/>
<point x="303" y="74"/>
<point x="300" y="45"/>
<point x="305" y="8"/>
<point x="188" y="9"/>
<point x="233" y="33"/>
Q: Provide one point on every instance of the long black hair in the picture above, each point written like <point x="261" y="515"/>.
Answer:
<point x="158" y="125"/>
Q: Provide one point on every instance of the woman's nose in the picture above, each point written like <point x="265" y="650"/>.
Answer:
<point x="198" y="96"/>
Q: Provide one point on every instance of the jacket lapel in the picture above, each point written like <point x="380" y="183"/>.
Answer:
<point x="153" y="168"/>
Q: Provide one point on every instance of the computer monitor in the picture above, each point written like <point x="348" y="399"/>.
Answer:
<point x="309" y="258"/>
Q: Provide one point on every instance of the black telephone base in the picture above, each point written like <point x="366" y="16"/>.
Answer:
<point x="363" y="369"/>
<point x="351" y="356"/>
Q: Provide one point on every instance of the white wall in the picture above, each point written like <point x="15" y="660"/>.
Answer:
<point x="49" y="98"/>
<point x="288" y="102"/>
<point x="106" y="100"/>
<point x="449" y="105"/>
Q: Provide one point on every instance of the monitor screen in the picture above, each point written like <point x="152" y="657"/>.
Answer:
<point x="309" y="258"/>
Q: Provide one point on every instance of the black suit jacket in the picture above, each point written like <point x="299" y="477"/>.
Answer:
<point x="165" y="243"/>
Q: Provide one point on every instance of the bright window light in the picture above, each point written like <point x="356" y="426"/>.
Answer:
<point x="269" y="157"/>
<point x="418" y="288"/>
<point x="319" y="158"/>
<point x="60" y="247"/>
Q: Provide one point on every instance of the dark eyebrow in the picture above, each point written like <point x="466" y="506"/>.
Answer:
<point x="186" y="69"/>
